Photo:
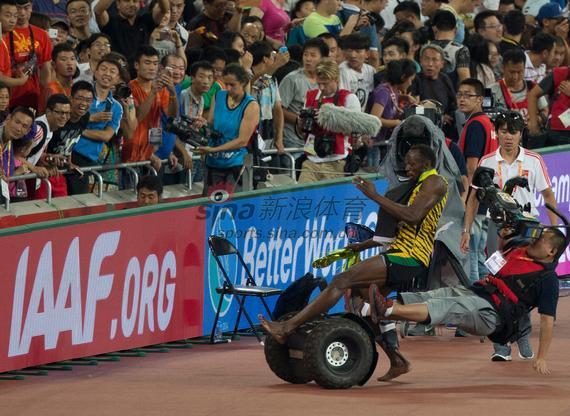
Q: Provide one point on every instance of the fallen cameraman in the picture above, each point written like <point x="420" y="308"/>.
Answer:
<point x="524" y="279"/>
<point x="510" y="161"/>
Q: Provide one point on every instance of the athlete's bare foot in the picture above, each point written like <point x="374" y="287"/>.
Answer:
<point x="398" y="366"/>
<point x="276" y="329"/>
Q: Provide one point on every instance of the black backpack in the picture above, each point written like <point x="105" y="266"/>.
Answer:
<point x="297" y="295"/>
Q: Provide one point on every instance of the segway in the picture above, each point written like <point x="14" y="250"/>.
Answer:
<point x="336" y="351"/>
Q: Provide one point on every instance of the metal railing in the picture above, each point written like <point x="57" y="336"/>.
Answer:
<point x="131" y="169"/>
<point x="92" y="170"/>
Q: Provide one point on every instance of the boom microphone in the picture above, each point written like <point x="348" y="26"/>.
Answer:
<point x="346" y="121"/>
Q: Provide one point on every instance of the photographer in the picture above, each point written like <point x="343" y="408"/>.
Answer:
<point x="492" y="307"/>
<point x="233" y="118"/>
<point x="153" y="93"/>
<point x="326" y="150"/>
<point x="509" y="161"/>
<point x="176" y="66"/>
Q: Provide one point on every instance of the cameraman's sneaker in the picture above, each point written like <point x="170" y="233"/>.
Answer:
<point x="525" y="350"/>
<point x="499" y="357"/>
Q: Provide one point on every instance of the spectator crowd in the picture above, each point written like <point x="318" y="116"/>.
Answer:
<point x="86" y="83"/>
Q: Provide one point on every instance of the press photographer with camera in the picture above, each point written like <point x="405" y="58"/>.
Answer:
<point x="511" y="161"/>
<point x="326" y="150"/>
<point x="233" y="117"/>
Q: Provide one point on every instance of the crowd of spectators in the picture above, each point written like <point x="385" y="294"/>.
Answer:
<point x="86" y="83"/>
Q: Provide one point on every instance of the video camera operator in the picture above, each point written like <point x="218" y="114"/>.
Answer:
<point x="511" y="161"/>
<point x="233" y="117"/>
<point x="326" y="150"/>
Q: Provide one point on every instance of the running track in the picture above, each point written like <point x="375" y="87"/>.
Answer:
<point x="449" y="376"/>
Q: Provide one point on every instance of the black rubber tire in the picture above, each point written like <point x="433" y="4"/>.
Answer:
<point x="359" y="353"/>
<point x="292" y="370"/>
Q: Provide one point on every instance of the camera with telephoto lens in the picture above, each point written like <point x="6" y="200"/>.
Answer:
<point x="123" y="91"/>
<point x="183" y="128"/>
<point x="504" y="211"/>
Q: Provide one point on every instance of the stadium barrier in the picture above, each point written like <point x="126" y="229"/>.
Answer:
<point x="125" y="279"/>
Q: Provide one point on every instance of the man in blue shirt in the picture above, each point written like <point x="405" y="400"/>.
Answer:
<point x="106" y="114"/>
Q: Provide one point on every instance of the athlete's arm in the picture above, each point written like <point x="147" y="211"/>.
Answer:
<point x="546" y="330"/>
<point x="433" y="189"/>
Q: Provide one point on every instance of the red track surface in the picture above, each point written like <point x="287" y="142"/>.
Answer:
<point x="450" y="376"/>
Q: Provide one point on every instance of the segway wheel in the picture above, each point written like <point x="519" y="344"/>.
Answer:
<point x="287" y="368"/>
<point x="338" y="354"/>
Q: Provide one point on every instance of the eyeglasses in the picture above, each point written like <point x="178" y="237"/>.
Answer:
<point x="461" y="95"/>
<point x="493" y="26"/>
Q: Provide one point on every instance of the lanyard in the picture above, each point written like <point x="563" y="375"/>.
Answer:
<point x="500" y="172"/>
<point x="394" y="99"/>
<point x="9" y="161"/>
<point x="32" y="52"/>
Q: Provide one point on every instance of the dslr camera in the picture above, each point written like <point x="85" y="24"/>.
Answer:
<point x="308" y="118"/>
<point x="324" y="144"/>
<point x="123" y="91"/>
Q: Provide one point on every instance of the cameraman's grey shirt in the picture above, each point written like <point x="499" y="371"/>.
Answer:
<point x="293" y="90"/>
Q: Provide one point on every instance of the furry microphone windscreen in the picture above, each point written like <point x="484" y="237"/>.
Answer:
<point x="345" y="121"/>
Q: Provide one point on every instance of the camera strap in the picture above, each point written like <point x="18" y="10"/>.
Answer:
<point x="12" y="49"/>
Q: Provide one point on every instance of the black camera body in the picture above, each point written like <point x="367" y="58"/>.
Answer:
<point x="308" y="118"/>
<point x="490" y="106"/>
<point x="183" y="128"/>
<point x="123" y="91"/>
<point x="324" y="144"/>
<point x="504" y="211"/>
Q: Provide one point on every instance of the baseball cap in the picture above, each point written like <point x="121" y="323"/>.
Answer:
<point x="549" y="11"/>
<point x="59" y="23"/>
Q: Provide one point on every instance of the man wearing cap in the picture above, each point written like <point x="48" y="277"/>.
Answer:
<point x="29" y="48"/>
<point x="552" y="20"/>
<point x="62" y="28"/>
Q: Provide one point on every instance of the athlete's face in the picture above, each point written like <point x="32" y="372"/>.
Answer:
<point x="415" y="164"/>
